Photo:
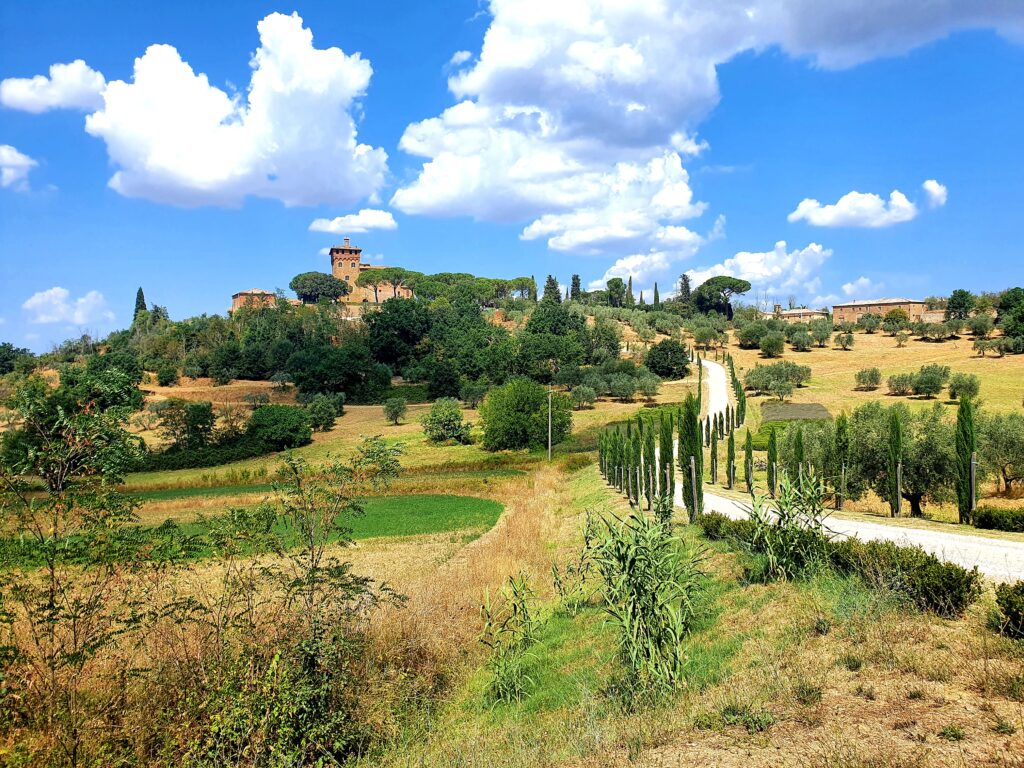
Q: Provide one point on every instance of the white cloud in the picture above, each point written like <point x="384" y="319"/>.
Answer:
<point x="364" y="221"/>
<point x="459" y="58"/>
<point x="772" y="271"/>
<point x="14" y="168"/>
<point x="69" y="86"/>
<point x="861" y="287"/>
<point x="55" y="305"/>
<point x="937" y="193"/>
<point x="856" y="209"/>
<point x="324" y="252"/>
<point x="178" y="139"/>
<point x="557" y="119"/>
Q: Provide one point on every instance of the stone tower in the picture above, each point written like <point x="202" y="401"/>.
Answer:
<point x="345" y="262"/>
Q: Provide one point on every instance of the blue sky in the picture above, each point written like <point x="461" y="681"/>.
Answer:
<point x="505" y="138"/>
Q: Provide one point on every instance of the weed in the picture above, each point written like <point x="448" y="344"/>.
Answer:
<point x="952" y="732"/>
<point x="754" y="720"/>
<point x="807" y="694"/>
<point x="822" y="626"/>
<point x="915" y="694"/>
<point x="508" y="632"/>
<point x="865" y="692"/>
<point x="1004" y="727"/>
<point x="851" y="662"/>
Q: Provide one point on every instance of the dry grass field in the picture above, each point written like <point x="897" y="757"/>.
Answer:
<point x="833" y="370"/>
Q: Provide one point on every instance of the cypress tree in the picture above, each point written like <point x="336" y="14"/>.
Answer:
<point x="690" y="445"/>
<point x="140" y="302"/>
<point x="798" y="449"/>
<point x="650" y="466"/>
<point x="730" y="459"/>
<point x="551" y="291"/>
<point x="574" y="288"/>
<point x="748" y="461"/>
<point x="714" y="455"/>
<point x="637" y="474"/>
<point x="666" y="477"/>
<point x="894" y="458"/>
<point x="966" y="445"/>
<point x="773" y="460"/>
<point x="842" y="455"/>
<point x="630" y="300"/>
<point x="657" y="298"/>
<point x="641" y="298"/>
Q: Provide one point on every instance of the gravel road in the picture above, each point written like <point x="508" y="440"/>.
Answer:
<point x="999" y="559"/>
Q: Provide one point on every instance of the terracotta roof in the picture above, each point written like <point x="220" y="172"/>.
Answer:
<point x="889" y="300"/>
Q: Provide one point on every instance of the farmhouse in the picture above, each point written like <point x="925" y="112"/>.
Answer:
<point x="798" y="315"/>
<point x="347" y="265"/>
<point x="852" y="311"/>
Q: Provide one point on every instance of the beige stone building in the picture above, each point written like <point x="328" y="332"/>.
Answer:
<point x="799" y="315"/>
<point x="852" y="311"/>
<point x="347" y="265"/>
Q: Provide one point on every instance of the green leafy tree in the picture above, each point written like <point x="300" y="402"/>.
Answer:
<point x="1001" y="447"/>
<point x="715" y="294"/>
<point x="821" y="330"/>
<point x="515" y="415"/>
<point x="140" y="302"/>
<point x="668" y="359"/>
<point x="472" y="393"/>
<point x="322" y="413"/>
<point x="444" y="424"/>
<point x="311" y="287"/>
<point x="372" y="279"/>
<point x="966" y="448"/>
<point x="186" y="424"/>
<point x="616" y="292"/>
<point x="395" y="409"/>
<point x="551" y="291"/>
<point x="960" y="305"/>
<point x="844" y="340"/>
<point x="583" y="396"/>
<point x="964" y="385"/>
<point x="772" y="344"/>
<point x="895" y="456"/>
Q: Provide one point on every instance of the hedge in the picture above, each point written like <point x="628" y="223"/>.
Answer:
<point x="927" y="582"/>
<point x="1010" y="599"/>
<point x="999" y="519"/>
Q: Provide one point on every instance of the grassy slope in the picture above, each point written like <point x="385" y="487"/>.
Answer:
<point x="834" y="674"/>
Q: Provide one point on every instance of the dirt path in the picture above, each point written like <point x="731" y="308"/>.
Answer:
<point x="998" y="559"/>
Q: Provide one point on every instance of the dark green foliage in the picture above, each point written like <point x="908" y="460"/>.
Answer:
<point x="714" y="294"/>
<point x="14" y="358"/>
<point x="515" y="415"/>
<point x="869" y="378"/>
<point x="322" y="413"/>
<point x="999" y="519"/>
<point x="166" y="375"/>
<point x="311" y="287"/>
<point x="966" y="448"/>
<point x="960" y="304"/>
<point x="278" y="427"/>
<point x="186" y="424"/>
<point x="730" y="460"/>
<point x="140" y="302"/>
<point x="668" y="359"/>
<point x="772" y="344"/>
<point x="691" y="445"/>
<point x="773" y="460"/>
<point x="472" y="393"/>
<point x="930" y="379"/>
<point x="929" y="583"/>
<point x="350" y="369"/>
<point x="894" y="458"/>
<point x="964" y="385"/>
<point x="444" y="424"/>
<point x="395" y="330"/>
<point x="574" y="288"/>
<point x="442" y="379"/>
<point x="748" y="461"/>
<point x="1010" y="600"/>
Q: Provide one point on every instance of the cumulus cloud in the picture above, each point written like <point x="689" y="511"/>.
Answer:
<point x="559" y="117"/>
<point x="55" y="305"/>
<point x="14" y="168"/>
<point x="774" y="271"/>
<point x="176" y="138"/>
<point x="69" y="86"/>
<point x="937" y="193"/>
<point x="364" y="221"/>
<point x="459" y="58"/>
<point x="856" y="209"/>
<point x="861" y="287"/>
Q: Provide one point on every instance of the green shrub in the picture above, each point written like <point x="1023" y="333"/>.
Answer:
<point x="901" y="384"/>
<point x="279" y="427"/>
<point x="869" y="378"/>
<point x="395" y="409"/>
<point x="444" y="424"/>
<point x="166" y="375"/>
<point x="964" y="385"/>
<point x="930" y="584"/>
<point x="1010" y="599"/>
<point x="996" y="519"/>
<point x="515" y="415"/>
<point x="321" y="412"/>
<point x="509" y="630"/>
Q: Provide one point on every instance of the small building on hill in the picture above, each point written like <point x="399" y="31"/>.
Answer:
<point x="798" y="315"/>
<point x="852" y="311"/>
<point x="253" y="298"/>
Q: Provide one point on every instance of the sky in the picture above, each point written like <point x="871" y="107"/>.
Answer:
<point x="822" y="151"/>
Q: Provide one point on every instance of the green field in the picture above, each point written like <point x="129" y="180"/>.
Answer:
<point x="383" y="516"/>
